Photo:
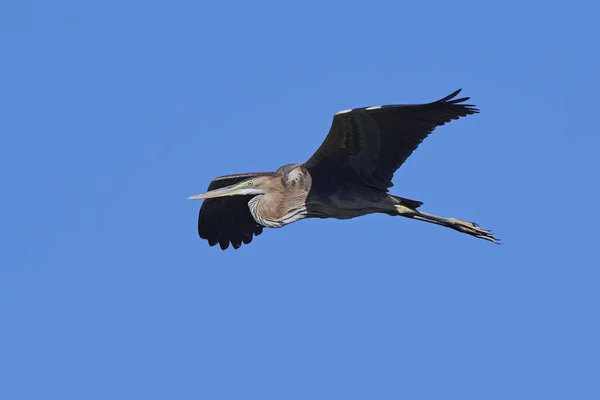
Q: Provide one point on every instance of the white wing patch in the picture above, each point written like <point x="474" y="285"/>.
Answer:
<point x="352" y="109"/>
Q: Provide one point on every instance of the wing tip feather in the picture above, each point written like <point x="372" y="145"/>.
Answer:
<point x="450" y="99"/>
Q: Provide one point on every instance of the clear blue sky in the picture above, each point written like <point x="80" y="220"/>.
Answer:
<point x="113" y="113"/>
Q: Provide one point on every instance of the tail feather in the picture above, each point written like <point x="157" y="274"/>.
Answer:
<point x="414" y="204"/>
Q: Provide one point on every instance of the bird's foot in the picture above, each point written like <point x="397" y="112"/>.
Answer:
<point x="473" y="229"/>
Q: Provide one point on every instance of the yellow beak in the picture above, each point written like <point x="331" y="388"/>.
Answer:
<point x="226" y="191"/>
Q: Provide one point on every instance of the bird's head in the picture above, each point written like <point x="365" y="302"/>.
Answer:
<point x="254" y="186"/>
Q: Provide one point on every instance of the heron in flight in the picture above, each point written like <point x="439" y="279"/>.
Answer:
<point x="348" y="176"/>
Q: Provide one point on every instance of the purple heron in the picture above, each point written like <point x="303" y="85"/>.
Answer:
<point x="348" y="176"/>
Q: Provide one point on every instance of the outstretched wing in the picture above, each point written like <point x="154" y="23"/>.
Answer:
<point x="371" y="143"/>
<point x="225" y="220"/>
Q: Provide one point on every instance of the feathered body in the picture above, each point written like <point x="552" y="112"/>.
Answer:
<point x="348" y="176"/>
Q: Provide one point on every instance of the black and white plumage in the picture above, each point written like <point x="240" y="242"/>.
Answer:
<point x="349" y="175"/>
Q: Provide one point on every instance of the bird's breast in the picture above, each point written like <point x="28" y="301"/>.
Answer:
<point x="277" y="211"/>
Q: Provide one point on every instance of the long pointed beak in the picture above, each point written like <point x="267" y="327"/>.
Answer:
<point x="226" y="191"/>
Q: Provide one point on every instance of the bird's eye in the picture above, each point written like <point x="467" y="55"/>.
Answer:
<point x="250" y="183"/>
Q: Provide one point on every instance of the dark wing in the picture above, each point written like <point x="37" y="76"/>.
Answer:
<point x="225" y="220"/>
<point x="371" y="143"/>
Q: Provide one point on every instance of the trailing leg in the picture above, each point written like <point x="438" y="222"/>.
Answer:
<point x="470" y="228"/>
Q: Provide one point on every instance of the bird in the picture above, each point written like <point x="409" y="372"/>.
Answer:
<point x="348" y="176"/>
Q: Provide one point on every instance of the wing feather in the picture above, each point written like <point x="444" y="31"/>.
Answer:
<point x="226" y="220"/>
<point x="369" y="144"/>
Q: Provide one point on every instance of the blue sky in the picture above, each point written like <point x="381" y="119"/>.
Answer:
<point x="113" y="113"/>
